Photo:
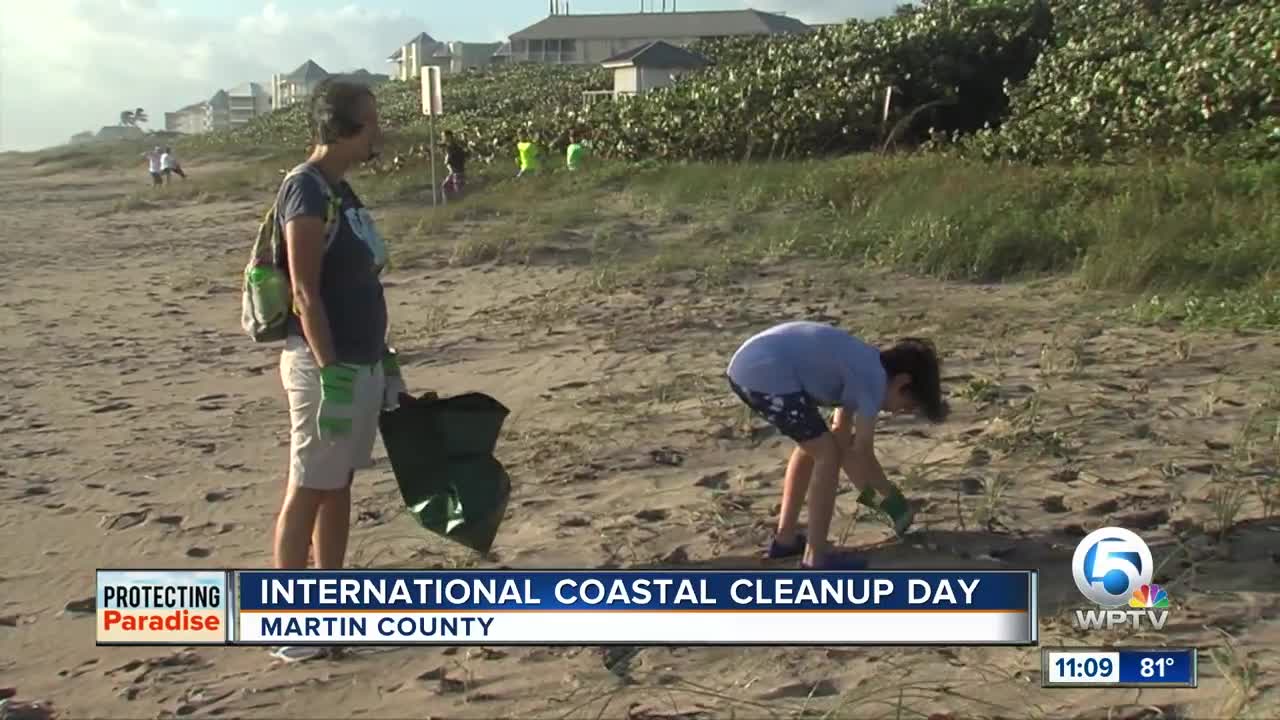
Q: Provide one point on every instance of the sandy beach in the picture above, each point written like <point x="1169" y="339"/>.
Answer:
<point x="143" y="429"/>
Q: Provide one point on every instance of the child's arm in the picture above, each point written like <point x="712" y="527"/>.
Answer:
<point x="859" y="461"/>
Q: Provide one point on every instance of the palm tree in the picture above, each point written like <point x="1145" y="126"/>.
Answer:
<point x="133" y="118"/>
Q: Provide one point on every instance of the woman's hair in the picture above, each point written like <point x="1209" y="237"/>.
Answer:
<point x="335" y="110"/>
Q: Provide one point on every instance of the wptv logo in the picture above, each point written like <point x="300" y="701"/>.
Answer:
<point x="1112" y="567"/>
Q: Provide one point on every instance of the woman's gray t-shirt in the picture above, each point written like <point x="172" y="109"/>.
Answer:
<point x="350" y="286"/>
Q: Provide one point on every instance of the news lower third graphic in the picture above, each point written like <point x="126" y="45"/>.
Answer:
<point x="1119" y="667"/>
<point x="567" y="607"/>
<point x="1113" y="568"/>
<point x="163" y="607"/>
<point x="660" y="607"/>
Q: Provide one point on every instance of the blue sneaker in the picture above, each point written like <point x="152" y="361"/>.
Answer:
<point x="778" y="552"/>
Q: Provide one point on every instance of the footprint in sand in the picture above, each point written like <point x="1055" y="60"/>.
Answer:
<point x="86" y="605"/>
<point x="171" y="520"/>
<point x="198" y="552"/>
<point x="124" y="520"/>
<point x="679" y="556"/>
<point x="370" y="517"/>
<point x="111" y="407"/>
<point x="822" y="688"/>
<point x="1146" y="520"/>
<point x="667" y="456"/>
<point x="652" y="515"/>
<point x="1054" y="504"/>
<point x="216" y="496"/>
<point x="1104" y="508"/>
<point x="714" y="481"/>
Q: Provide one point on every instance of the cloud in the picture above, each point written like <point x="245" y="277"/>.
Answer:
<point x="73" y="65"/>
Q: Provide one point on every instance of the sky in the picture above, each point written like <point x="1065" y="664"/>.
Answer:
<point x="68" y="66"/>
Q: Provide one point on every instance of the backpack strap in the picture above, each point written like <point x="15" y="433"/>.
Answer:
<point x="332" y="216"/>
<point x="333" y="210"/>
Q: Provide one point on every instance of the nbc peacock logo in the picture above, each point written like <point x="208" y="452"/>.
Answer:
<point x="1149" y="596"/>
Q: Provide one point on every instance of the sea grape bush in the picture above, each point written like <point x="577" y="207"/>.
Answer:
<point x="1033" y="80"/>
<point x="1196" y="76"/>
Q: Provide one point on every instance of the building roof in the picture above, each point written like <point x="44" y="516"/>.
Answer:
<point x="119" y="131"/>
<point x="249" y="89"/>
<point x="308" y="73"/>
<point x="657" y="54"/>
<point x="220" y="100"/>
<point x="504" y="50"/>
<point x="655" y="25"/>
<point x="363" y="76"/>
<point x="422" y="38"/>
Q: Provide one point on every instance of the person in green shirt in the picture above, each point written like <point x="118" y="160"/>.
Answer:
<point x="529" y="156"/>
<point x="576" y="153"/>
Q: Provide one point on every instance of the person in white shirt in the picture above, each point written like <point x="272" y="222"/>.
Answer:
<point x="169" y="165"/>
<point x="153" y="164"/>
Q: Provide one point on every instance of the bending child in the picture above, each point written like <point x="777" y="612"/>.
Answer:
<point x="786" y="374"/>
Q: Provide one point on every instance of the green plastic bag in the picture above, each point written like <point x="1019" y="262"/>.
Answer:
<point x="441" y="451"/>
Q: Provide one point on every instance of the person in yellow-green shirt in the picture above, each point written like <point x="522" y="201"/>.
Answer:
<point x="576" y="153"/>
<point x="529" y="155"/>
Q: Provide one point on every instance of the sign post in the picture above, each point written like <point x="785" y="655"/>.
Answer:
<point x="432" y="102"/>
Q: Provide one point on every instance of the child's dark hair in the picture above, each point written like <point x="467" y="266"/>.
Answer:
<point x="918" y="359"/>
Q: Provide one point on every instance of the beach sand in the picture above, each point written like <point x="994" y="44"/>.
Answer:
<point x="142" y="429"/>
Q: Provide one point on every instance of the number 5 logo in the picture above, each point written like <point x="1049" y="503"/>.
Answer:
<point x="1110" y="564"/>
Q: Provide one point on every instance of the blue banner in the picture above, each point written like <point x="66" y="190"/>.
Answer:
<point x="1165" y="666"/>
<point x="657" y="590"/>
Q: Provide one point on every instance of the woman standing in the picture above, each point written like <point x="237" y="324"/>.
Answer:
<point x="337" y="368"/>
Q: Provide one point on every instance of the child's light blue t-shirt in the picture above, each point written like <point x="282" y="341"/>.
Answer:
<point x="830" y="365"/>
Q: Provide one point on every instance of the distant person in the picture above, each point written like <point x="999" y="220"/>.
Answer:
<point x="529" y="153"/>
<point x="455" y="161"/>
<point x="169" y="165"/>
<point x="576" y="153"/>
<point x="153" y="165"/>
<point x="337" y="369"/>
<point x="785" y="374"/>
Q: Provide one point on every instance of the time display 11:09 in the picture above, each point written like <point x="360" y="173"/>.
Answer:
<point x="1087" y="667"/>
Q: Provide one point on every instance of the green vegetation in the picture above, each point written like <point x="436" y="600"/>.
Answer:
<point x="1200" y="237"/>
<point x="1166" y="75"/>
<point x="1134" y="143"/>
<point x="1018" y="79"/>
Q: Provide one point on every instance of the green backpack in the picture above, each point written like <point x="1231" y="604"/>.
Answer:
<point x="266" y="296"/>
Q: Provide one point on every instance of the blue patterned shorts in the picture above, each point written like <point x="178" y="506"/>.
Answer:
<point x="795" y="414"/>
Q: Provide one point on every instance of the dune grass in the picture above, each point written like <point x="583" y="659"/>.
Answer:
<point x="1196" y="241"/>
<point x="1193" y="242"/>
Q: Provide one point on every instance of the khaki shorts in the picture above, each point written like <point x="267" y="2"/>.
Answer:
<point x="314" y="463"/>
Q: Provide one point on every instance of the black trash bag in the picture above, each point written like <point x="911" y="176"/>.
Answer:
<point x="441" y="451"/>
